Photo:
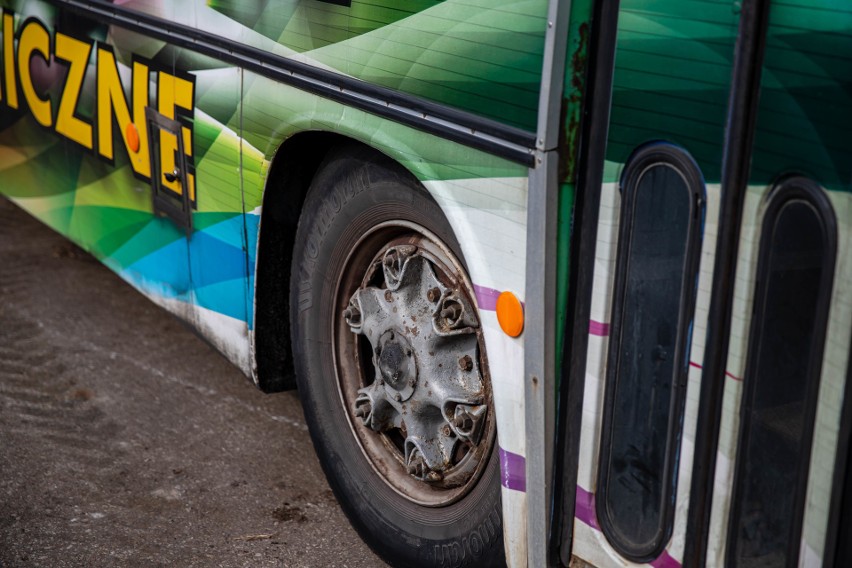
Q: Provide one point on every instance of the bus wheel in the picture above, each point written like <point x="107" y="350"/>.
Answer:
<point x="391" y="366"/>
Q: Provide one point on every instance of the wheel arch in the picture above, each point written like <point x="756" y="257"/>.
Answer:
<point x="294" y="166"/>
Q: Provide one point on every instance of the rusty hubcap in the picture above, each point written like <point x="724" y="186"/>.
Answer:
<point x="411" y="362"/>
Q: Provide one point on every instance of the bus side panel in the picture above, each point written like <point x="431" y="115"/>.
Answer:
<point x="221" y="240"/>
<point x="79" y="159"/>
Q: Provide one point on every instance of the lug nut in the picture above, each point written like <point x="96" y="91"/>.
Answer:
<point x="434" y="476"/>
<point x="352" y="315"/>
<point x="392" y="262"/>
<point x="451" y="312"/>
<point x="466" y="363"/>
<point x="416" y="466"/>
<point x="363" y="410"/>
<point x="433" y="295"/>
<point x="463" y="422"/>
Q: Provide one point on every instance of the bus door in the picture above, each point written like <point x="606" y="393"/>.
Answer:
<point x="775" y="414"/>
<point x="644" y="269"/>
<point x="720" y="309"/>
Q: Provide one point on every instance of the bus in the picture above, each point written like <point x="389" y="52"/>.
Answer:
<point x="559" y="282"/>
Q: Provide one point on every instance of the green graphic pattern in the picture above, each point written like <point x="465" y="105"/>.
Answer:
<point x="239" y="123"/>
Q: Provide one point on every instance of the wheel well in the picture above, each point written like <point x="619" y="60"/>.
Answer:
<point x="293" y="168"/>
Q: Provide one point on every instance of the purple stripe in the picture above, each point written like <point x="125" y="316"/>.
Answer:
<point x="513" y="471"/>
<point x="598" y="328"/>
<point x="584" y="508"/>
<point x="664" y="561"/>
<point x="486" y="297"/>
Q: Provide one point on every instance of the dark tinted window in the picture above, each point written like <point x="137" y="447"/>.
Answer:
<point x="653" y="304"/>
<point x="791" y="299"/>
<point x="840" y="527"/>
<point x="839" y="535"/>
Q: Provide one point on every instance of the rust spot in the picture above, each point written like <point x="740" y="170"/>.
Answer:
<point x="580" y="55"/>
<point x="571" y="110"/>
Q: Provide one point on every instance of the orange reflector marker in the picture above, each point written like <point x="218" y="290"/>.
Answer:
<point x="132" y="136"/>
<point x="510" y="314"/>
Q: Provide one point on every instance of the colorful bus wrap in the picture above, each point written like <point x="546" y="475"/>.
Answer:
<point x="182" y="142"/>
<point x="559" y="283"/>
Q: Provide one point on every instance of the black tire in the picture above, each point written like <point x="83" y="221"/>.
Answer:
<point x="355" y="190"/>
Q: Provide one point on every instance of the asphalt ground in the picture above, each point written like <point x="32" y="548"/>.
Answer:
<point x="126" y="440"/>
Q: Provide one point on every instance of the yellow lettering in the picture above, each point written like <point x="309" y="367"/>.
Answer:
<point x="77" y="53"/>
<point x="117" y="109"/>
<point x="9" y="59"/>
<point x="34" y="38"/>
<point x="112" y="101"/>
<point x="140" y="160"/>
<point x="174" y="92"/>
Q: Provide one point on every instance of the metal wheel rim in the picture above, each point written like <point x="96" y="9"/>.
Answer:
<point x="382" y="450"/>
